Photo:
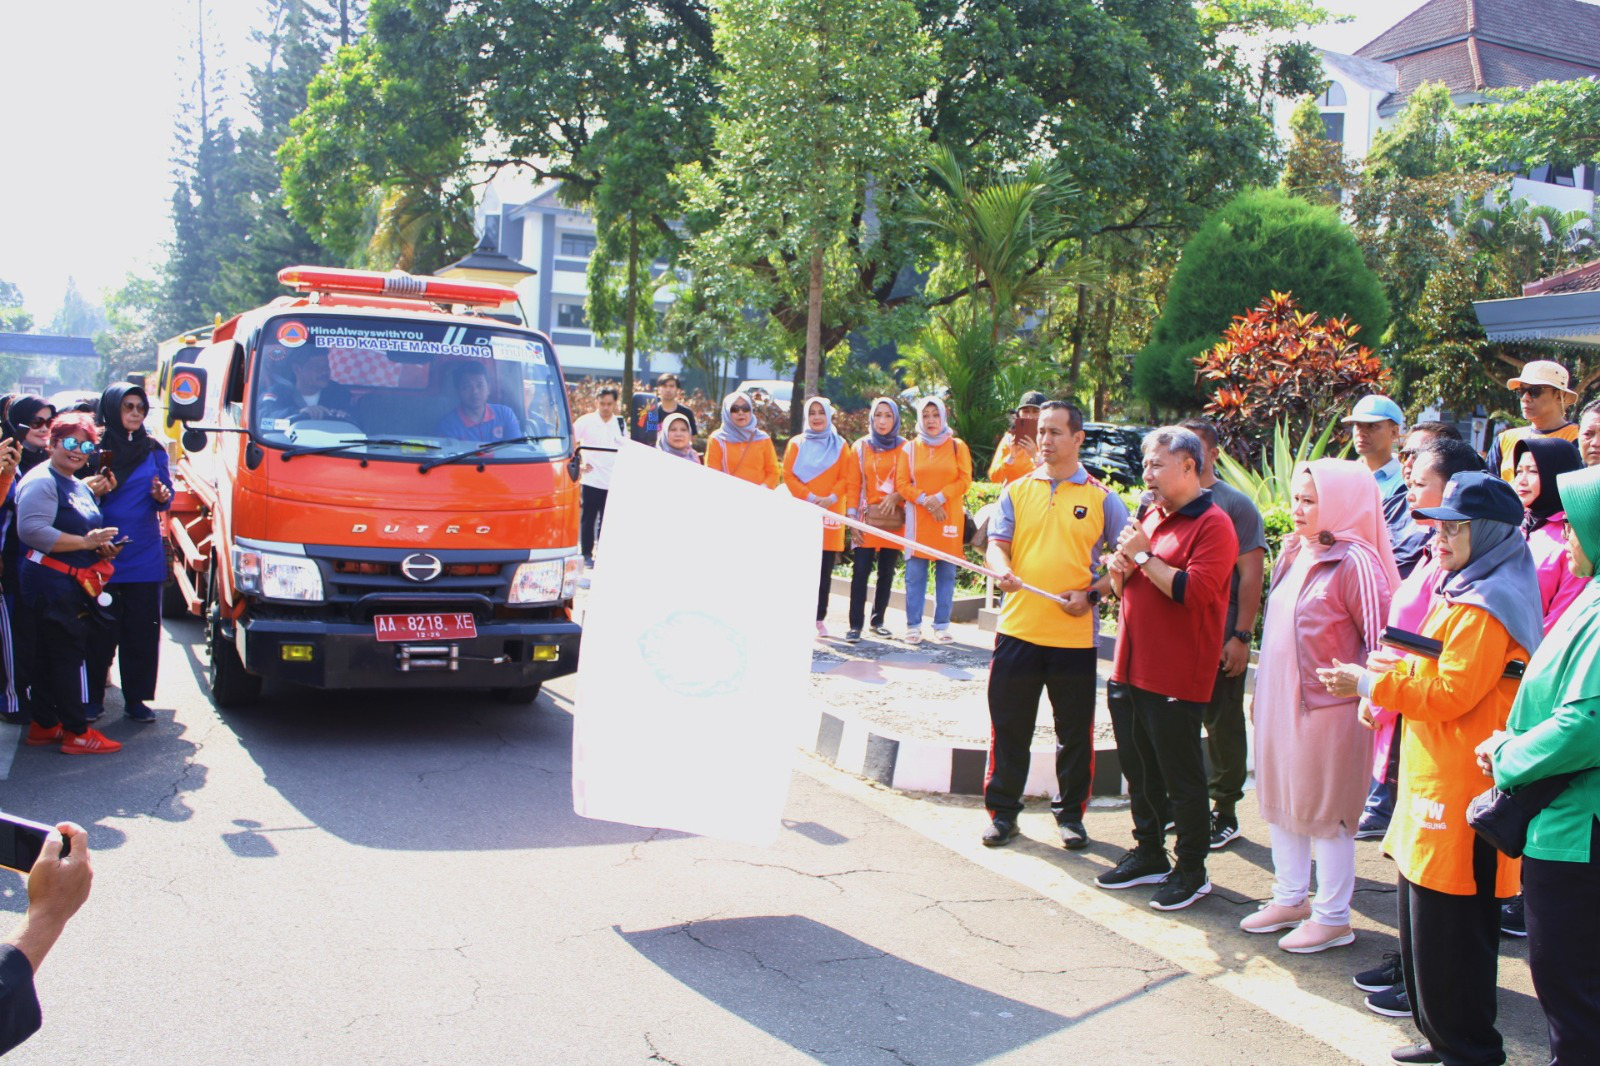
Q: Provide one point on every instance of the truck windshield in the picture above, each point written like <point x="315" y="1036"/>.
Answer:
<point x="401" y="387"/>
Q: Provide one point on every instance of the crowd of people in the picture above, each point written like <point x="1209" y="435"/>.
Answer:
<point x="1428" y="632"/>
<point x="83" y="564"/>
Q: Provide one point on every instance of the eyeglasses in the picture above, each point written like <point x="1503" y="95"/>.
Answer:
<point x="1533" y="392"/>
<point x="73" y="444"/>
<point x="135" y="405"/>
<point x="1451" y="529"/>
<point x="40" y="422"/>
<point x="1406" y="453"/>
<point x="739" y="410"/>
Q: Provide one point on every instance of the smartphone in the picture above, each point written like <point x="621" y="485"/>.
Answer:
<point x="120" y="541"/>
<point x="20" y="841"/>
<point x="1024" y="429"/>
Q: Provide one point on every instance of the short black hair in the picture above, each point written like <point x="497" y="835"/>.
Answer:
<point x="1202" y="428"/>
<point x="1074" y="416"/>
<point x="1437" y="430"/>
<point x="1450" y="457"/>
<point x="461" y="371"/>
<point x="611" y="391"/>
<point x="668" y="376"/>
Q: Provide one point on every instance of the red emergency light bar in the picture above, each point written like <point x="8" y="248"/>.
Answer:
<point x="396" y="284"/>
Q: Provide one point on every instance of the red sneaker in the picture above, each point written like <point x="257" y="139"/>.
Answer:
<point x="39" y="736"/>
<point x="89" y="742"/>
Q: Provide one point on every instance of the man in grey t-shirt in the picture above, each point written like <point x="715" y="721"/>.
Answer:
<point x="1227" y="745"/>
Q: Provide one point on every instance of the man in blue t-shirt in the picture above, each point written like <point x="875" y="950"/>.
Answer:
<point x="476" y="418"/>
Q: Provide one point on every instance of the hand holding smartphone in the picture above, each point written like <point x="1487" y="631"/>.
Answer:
<point x="22" y="840"/>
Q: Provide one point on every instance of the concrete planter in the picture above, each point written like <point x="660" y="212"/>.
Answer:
<point x="962" y="609"/>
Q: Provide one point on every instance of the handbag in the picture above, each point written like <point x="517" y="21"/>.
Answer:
<point x="1502" y="816"/>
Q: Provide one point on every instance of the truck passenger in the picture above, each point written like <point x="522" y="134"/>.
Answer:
<point x="312" y="394"/>
<point x="475" y="418"/>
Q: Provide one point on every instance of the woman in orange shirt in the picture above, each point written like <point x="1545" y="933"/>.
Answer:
<point x="933" y="479"/>
<point x="740" y="447"/>
<point x="877" y="461"/>
<point x="1487" y="615"/>
<point x="817" y="469"/>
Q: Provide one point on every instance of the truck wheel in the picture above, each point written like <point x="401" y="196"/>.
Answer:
<point x="231" y="685"/>
<point x="520" y="694"/>
<point x="173" y="605"/>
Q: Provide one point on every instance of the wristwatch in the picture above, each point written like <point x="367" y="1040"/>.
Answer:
<point x="1094" y="596"/>
<point x="1141" y="559"/>
<point x="1241" y="635"/>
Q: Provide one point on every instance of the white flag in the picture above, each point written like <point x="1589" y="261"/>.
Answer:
<point x="696" y="659"/>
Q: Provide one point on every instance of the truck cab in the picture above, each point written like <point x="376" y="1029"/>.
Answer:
<point x="376" y="491"/>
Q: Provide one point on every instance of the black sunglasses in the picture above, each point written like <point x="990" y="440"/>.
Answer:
<point x="739" y="410"/>
<point x="1533" y="392"/>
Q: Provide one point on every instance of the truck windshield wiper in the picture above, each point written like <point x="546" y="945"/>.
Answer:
<point x="356" y="442"/>
<point x="488" y="447"/>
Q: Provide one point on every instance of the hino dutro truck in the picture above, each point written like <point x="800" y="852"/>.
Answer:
<point x="375" y="491"/>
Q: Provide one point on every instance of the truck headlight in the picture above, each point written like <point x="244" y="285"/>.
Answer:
<point x="276" y="577"/>
<point x="546" y="580"/>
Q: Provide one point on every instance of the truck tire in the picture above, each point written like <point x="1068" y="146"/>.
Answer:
<point x="231" y="685"/>
<point x="520" y="694"/>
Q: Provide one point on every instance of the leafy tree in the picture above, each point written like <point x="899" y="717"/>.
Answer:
<point x="1262" y="242"/>
<point x="77" y="316"/>
<point x="128" y="341"/>
<point x="1315" y="168"/>
<point x="13" y="319"/>
<point x="1552" y="122"/>
<point x="1281" y="366"/>
<point x="815" y="149"/>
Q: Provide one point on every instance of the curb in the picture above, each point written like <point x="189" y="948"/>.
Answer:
<point x="918" y="765"/>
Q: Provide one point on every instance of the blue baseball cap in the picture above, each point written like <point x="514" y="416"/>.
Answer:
<point x="1375" y="408"/>
<point x="1472" y="494"/>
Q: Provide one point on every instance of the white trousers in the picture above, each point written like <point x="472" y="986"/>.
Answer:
<point x="1335" y="857"/>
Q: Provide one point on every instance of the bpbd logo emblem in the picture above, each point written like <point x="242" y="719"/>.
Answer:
<point x="185" y="387"/>
<point x="292" y="334"/>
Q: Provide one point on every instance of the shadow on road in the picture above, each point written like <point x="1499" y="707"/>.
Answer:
<point x="837" y="998"/>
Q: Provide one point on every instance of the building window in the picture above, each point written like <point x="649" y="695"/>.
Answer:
<point x="1563" y="174"/>
<point x="1333" y="127"/>
<point x="570" y="316"/>
<point x="577" y="245"/>
<point x="1334" y="96"/>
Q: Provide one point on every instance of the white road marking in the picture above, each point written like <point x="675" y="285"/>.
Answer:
<point x="10" y="739"/>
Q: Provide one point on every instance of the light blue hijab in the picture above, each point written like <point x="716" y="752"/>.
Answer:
<point x="819" y="448"/>
<point x="1500" y="577"/>
<point x="728" y="433"/>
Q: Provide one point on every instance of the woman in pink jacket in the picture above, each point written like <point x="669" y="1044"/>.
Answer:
<point x="1330" y="593"/>
<point x="1538" y="462"/>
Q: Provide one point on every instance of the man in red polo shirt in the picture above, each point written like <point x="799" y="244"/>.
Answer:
<point x="1173" y="571"/>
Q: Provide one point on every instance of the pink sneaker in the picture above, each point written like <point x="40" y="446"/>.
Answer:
<point x="822" y="631"/>
<point x="1273" y="918"/>
<point x="1314" y="936"/>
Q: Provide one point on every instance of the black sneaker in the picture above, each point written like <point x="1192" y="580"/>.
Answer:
<point x="1416" y="1053"/>
<point x="852" y="636"/>
<point x="1181" y="888"/>
<point x="138" y="712"/>
<point x="1391" y="1002"/>
<point x="1137" y="867"/>
<point x="999" y="833"/>
<point x="1224" y="831"/>
<point x="1074" y="836"/>
<point x="1371" y="829"/>
<point x="1513" y="922"/>
<point x="1383" y="976"/>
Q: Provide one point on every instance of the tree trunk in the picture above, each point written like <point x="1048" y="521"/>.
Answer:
<point x="1080" y="333"/>
<point x="631" y="317"/>
<point x="813" y="329"/>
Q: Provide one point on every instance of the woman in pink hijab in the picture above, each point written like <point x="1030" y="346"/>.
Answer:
<point x="1330" y="594"/>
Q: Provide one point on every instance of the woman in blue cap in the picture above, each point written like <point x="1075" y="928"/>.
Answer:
<point x="1555" y="729"/>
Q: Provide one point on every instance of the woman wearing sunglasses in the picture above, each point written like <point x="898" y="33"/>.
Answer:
<point x="138" y="487"/>
<point x="1486" y="616"/>
<point x="740" y="447"/>
<point x="28" y="422"/>
<point x="63" y="537"/>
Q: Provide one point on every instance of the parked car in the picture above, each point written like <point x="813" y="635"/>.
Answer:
<point x="769" y="390"/>
<point x="1112" y="453"/>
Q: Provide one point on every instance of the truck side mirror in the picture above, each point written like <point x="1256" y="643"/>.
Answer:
<point x="186" y="394"/>
<point x="194" y="439"/>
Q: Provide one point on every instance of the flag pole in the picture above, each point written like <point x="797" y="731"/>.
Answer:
<point x="936" y="553"/>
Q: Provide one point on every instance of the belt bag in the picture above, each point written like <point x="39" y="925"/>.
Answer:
<point x="1502" y="817"/>
<point x="91" y="579"/>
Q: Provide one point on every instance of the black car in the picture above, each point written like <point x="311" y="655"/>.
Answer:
<point x="1112" y="453"/>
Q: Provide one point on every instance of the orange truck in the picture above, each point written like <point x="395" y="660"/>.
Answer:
<point x="376" y="491"/>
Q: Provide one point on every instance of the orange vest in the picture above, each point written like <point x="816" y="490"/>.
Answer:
<point x="755" y="461"/>
<point x="876" y="476"/>
<point x="1010" y="463"/>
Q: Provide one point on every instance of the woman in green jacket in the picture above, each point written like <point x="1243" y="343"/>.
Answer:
<point x="1555" y="729"/>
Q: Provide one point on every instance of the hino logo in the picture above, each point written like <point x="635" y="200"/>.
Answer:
<point x="421" y="567"/>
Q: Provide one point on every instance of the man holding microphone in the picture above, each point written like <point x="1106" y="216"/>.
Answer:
<point x="1052" y="527"/>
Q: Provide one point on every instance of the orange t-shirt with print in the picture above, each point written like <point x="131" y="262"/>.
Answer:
<point x="838" y="480"/>
<point x="945" y="470"/>
<point x="753" y="461"/>
<point x="877" y="473"/>
<point x="1450" y="706"/>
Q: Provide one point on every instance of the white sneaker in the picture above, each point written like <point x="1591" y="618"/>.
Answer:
<point x="914" y="635"/>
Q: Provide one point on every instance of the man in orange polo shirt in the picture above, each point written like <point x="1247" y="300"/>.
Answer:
<point x="1051" y="530"/>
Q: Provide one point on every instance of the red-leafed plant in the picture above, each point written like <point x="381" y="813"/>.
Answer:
<point x="1279" y="365"/>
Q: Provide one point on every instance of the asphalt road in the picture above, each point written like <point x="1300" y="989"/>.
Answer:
<point x="379" y="878"/>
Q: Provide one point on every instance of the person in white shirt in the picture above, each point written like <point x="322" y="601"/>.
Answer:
<point x="600" y="428"/>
